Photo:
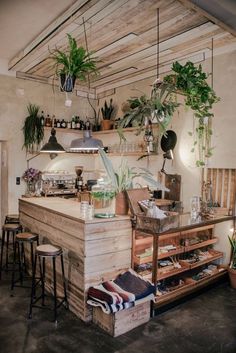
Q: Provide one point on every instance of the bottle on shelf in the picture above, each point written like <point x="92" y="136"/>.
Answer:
<point x="63" y="124"/>
<point x="87" y="124"/>
<point x="58" y="123"/>
<point x="55" y="123"/>
<point x="73" y="125"/>
<point x="53" y="120"/>
<point x="42" y="119"/>
<point x="48" y="121"/>
<point x="68" y="124"/>
<point x="78" y="123"/>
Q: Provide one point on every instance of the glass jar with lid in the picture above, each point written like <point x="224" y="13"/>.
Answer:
<point x="103" y="199"/>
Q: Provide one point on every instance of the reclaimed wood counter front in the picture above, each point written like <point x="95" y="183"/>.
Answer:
<point x="94" y="250"/>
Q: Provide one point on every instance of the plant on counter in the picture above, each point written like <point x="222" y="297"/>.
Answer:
<point x="75" y="63"/>
<point x="190" y="81"/>
<point x="123" y="178"/>
<point x="31" y="176"/>
<point x="33" y="129"/>
<point x="232" y="266"/>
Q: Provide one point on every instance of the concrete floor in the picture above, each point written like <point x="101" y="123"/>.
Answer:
<point x="204" y="324"/>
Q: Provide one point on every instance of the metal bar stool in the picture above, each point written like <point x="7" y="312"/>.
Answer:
<point x="8" y="230"/>
<point x="12" y="218"/>
<point x="43" y="252"/>
<point x="20" y="241"/>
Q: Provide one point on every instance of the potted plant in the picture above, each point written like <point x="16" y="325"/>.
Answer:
<point x="75" y="63"/>
<point x="107" y="114"/>
<point x="33" y="129"/>
<point x="122" y="179"/>
<point x="232" y="266"/>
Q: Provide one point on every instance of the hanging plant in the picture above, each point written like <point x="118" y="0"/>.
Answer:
<point x="75" y="63"/>
<point x="33" y="129"/>
<point x="158" y="108"/>
<point x="190" y="81"/>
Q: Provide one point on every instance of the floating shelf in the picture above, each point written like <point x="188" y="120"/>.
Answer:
<point x="75" y="131"/>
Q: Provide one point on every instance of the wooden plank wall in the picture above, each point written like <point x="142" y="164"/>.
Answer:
<point x="223" y="185"/>
<point x="93" y="252"/>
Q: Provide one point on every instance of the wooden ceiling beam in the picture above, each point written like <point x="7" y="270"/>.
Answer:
<point x="188" y="4"/>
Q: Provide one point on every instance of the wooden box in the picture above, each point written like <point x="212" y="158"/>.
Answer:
<point x="123" y="321"/>
<point x="156" y="225"/>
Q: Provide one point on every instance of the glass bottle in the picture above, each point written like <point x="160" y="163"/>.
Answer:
<point x="73" y="122"/>
<point x="58" y="123"/>
<point x="42" y="119"/>
<point x="103" y="199"/>
<point x="63" y="124"/>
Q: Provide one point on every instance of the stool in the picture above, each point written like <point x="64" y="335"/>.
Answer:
<point x="12" y="218"/>
<point x="20" y="240"/>
<point x="43" y="252"/>
<point x="9" y="229"/>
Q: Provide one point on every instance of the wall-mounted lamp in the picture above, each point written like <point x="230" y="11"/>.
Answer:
<point x="168" y="142"/>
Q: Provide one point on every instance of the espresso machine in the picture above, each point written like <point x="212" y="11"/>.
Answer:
<point x="58" y="183"/>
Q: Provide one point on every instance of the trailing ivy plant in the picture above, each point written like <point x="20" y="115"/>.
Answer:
<point x="191" y="81"/>
<point x="159" y="108"/>
<point x="33" y="129"/>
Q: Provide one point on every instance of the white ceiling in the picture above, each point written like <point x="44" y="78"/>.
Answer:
<point x="22" y="20"/>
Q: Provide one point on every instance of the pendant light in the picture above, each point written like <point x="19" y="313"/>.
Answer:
<point x="86" y="144"/>
<point x="52" y="146"/>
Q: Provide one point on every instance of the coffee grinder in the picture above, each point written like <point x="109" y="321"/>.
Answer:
<point x="79" y="179"/>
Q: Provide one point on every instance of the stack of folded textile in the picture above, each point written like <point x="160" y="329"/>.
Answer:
<point x="127" y="290"/>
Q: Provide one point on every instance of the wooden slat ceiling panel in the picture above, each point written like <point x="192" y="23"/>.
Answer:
<point x="124" y="35"/>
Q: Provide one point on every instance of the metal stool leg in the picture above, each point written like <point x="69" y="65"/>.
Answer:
<point x="8" y="234"/>
<point x="64" y="282"/>
<point x="33" y="287"/>
<point x="2" y="249"/>
<point x="43" y="282"/>
<point x="54" y="287"/>
<point x="13" y="269"/>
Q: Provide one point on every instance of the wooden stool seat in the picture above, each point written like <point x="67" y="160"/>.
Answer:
<point x="11" y="227"/>
<point x="12" y="215"/>
<point x="12" y="218"/>
<point x="48" y="250"/>
<point x="26" y="236"/>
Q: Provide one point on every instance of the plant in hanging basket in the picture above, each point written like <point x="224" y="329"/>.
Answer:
<point x="158" y="108"/>
<point x="33" y="129"/>
<point x="191" y="81"/>
<point x="75" y="63"/>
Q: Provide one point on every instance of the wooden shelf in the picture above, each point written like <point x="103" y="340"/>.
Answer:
<point x="179" y="250"/>
<point x="187" y="289"/>
<point x="102" y="132"/>
<point x="186" y="266"/>
<point x="142" y="260"/>
<point x="201" y="244"/>
<point x="174" y="272"/>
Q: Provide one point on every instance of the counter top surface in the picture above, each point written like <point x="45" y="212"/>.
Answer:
<point x="69" y="208"/>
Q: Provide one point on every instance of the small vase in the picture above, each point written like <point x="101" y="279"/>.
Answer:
<point x="30" y="188"/>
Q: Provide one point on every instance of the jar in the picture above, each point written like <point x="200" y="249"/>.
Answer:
<point x="103" y="199"/>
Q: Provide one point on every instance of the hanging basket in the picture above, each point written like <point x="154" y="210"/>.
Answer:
<point x="67" y="83"/>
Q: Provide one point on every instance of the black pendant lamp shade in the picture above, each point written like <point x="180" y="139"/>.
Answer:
<point x="168" y="141"/>
<point x="52" y="146"/>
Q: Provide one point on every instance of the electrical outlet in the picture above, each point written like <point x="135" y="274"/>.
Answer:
<point x="17" y="180"/>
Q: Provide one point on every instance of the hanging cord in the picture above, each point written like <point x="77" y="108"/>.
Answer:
<point x="158" y="42"/>
<point x="86" y="45"/>
<point x="212" y="61"/>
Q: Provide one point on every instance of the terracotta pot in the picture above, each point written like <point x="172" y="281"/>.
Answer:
<point x="122" y="205"/>
<point x="232" y="277"/>
<point x="107" y="124"/>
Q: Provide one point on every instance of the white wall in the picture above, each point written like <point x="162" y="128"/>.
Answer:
<point x="15" y="94"/>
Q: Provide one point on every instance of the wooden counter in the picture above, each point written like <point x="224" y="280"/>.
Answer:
<point x="94" y="250"/>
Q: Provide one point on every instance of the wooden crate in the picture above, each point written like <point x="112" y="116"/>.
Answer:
<point x="123" y="321"/>
<point x="156" y="225"/>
